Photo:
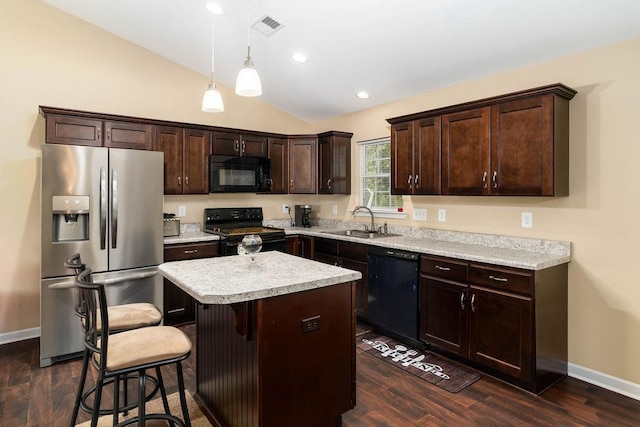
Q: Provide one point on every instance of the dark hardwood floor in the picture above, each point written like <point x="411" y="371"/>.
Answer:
<point x="386" y="396"/>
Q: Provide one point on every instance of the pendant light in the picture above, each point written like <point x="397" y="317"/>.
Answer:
<point x="248" y="81"/>
<point x="212" y="100"/>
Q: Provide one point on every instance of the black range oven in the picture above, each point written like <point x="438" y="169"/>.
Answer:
<point x="232" y="224"/>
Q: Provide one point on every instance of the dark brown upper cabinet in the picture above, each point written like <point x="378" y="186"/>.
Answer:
<point x="302" y="164"/>
<point x="186" y="159"/>
<point x="415" y="155"/>
<point x="334" y="163"/>
<point x="515" y="144"/>
<point x="238" y="144"/>
<point x="78" y="130"/>
<point x="279" y="160"/>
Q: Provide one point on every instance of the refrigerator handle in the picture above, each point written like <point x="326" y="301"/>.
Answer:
<point x="114" y="209"/>
<point x="103" y="209"/>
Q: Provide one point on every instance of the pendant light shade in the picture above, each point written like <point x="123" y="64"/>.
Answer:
<point x="212" y="100"/>
<point x="248" y="82"/>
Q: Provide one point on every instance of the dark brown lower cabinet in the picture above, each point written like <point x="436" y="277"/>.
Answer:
<point x="348" y="255"/>
<point x="508" y="322"/>
<point x="179" y="307"/>
<point x="300" y="245"/>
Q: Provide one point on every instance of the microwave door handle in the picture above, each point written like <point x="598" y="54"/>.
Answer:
<point x="103" y="208"/>
<point x="114" y="208"/>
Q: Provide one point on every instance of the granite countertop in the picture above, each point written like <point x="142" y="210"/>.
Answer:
<point x="232" y="279"/>
<point x="530" y="254"/>
<point x="191" y="237"/>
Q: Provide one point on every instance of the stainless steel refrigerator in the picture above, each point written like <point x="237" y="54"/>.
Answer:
<point x="105" y="204"/>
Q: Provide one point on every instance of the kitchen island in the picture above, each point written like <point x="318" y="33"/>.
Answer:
<point x="275" y="338"/>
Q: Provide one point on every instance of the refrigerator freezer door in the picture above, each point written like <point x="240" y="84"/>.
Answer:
<point x="69" y="170"/>
<point x="135" y="208"/>
<point x="60" y="333"/>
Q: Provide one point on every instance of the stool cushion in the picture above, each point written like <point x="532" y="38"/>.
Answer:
<point x="132" y="316"/>
<point x="145" y="345"/>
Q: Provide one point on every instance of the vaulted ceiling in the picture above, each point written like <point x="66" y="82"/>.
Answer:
<point x="390" y="48"/>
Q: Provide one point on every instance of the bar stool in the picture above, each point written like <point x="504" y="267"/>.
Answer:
<point x="121" y="318"/>
<point x="129" y="352"/>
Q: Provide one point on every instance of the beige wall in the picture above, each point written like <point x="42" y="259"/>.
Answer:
<point x="48" y="58"/>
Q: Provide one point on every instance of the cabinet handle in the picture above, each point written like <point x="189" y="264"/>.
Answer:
<point x="179" y="180"/>
<point x="177" y="310"/>
<point x="236" y="146"/>
<point x="329" y="183"/>
<point x="462" y="300"/>
<point x="495" y="179"/>
<point x="244" y="146"/>
<point x="292" y="183"/>
<point x="186" y="180"/>
<point x="498" y="279"/>
<point x="417" y="181"/>
<point x="98" y="133"/>
<point x="409" y="182"/>
<point x="108" y="134"/>
<point x="473" y="301"/>
<point x="442" y="268"/>
<point x="192" y="251"/>
<point x="484" y="179"/>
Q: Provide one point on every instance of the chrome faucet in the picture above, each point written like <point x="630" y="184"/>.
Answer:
<point x="373" y="226"/>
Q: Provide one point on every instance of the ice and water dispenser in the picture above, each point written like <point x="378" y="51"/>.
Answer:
<point x="70" y="218"/>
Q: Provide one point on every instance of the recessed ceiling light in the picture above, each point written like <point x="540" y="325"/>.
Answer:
<point x="299" y="57"/>
<point x="214" y="8"/>
<point x="363" y="95"/>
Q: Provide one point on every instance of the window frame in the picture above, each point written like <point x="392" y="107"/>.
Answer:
<point x="380" y="212"/>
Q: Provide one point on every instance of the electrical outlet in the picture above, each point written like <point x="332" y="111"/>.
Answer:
<point x="182" y="210"/>
<point x="442" y="215"/>
<point x="311" y="324"/>
<point x="285" y="208"/>
<point x="420" y="214"/>
<point x="527" y="220"/>
<point x="334" y="209"/>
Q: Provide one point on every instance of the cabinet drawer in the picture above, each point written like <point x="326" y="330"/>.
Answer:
<point x="507" y="279"/>
<point x="444" y="268"/>
<point x="326" y="246"/>
<point x="353" y="251"/>
<point x="190" y="251"/>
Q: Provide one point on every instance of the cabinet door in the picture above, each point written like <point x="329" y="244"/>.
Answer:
<point x="254" y="146"/>
<point x="402" y="158"/>
<point x="302" y="165"/>
<point x="465" y="152"/>
<point x="501" y="331"/>
<point x="362" y="285"/>
<point x="169" y="141"/>
<point x="340" y="165"/>
<point x="279" y="159"/>
<point x="426" y="149"/>
<point x="305" y="247"/>
<point x="522" y="147"/>
<point x="196" y="161"/>
<point x="443" y="315"/>
<point x="73" y="130"/>
<point x="291" y="243"/>
<point x="227" y="144"/>
<point x="128" y="135"/>
<point x="325" y="159"/>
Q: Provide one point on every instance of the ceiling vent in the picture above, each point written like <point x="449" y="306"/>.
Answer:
<point x="267" y="26"/>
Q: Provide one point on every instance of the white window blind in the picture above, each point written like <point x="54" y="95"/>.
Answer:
<point x="375" y="178"/>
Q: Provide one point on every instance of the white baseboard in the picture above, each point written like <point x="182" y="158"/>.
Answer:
<point x="618" y="385"/>
<point x="24" y="334"/>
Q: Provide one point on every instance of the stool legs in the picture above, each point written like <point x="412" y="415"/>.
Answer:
<point x="83" y="377"/>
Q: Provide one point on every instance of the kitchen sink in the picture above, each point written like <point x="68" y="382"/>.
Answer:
<point x="361" y="234"/>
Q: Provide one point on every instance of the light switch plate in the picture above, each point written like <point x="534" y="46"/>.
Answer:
<point x="527" y="220"/>
<point x="182" y="210"/>
<point x="420" y="214"/>
<point x="334" y="209"/>
<point x="442" y="215"/>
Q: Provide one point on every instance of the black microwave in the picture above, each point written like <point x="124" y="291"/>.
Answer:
<point x="233" y="174"/>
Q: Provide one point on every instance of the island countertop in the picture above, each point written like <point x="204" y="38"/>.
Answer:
<point x="233" y="279"/>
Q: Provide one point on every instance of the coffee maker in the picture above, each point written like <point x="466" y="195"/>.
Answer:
<point x="303" y="215"/>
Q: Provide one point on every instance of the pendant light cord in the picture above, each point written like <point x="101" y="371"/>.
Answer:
<point x="213" y="45"/>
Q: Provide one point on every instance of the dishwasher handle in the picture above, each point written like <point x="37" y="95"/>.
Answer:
<point x="394" y="253"/>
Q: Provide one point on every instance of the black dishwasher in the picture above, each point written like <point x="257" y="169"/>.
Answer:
<point x="393" y="293"/>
